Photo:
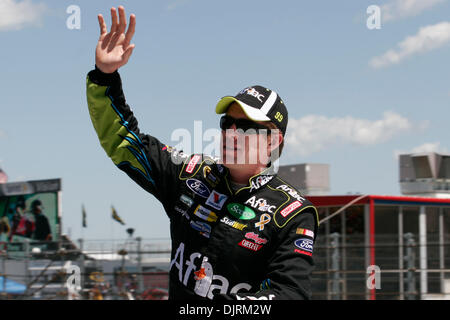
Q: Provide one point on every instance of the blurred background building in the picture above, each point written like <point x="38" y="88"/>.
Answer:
<point x="309" y="178"/>
<point x="425" y="174"/>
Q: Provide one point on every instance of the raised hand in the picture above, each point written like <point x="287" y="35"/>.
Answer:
<point x="114" y="48"/>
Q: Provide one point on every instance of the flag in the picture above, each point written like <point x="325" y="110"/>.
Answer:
<point x="83" y="212"/>
<point x="3" y="176"/>
<point x="116" y="217"/>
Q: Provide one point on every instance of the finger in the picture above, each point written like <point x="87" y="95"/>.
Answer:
<point x="130" y="32"/>
<point x="122" y="20"/>
<point x="114" y="22"/>
<point x="102" y="25"/>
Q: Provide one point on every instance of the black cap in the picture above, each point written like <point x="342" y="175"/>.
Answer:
<point x="20" y="202"/>
<point x="259" y="104"/>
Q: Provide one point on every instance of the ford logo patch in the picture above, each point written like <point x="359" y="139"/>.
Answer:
<point x="198" y="187"/>
<point x="305" y="244"/>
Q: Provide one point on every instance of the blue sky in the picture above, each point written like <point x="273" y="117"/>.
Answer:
<point x="356" y="97"/>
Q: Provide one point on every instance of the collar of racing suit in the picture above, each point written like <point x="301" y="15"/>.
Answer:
<point x="255" y="181"/>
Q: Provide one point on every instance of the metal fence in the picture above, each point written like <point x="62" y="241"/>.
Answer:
<point x="344" y="269"/>
<point x="132" y="268"/>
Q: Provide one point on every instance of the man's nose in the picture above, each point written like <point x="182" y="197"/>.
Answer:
<point x="233" y="131"/>
<point x="231" y="134"/>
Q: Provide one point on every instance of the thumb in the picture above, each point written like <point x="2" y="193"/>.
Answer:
<point x="126" y="55"/>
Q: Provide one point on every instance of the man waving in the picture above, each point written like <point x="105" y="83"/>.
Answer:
<point x="238" y="230"/>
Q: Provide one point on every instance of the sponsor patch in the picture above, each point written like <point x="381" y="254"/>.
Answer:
<point x="167" y="148"/>
<point x="240" y="211"/>
<point x="216" y="200"/>
<point x="192" y="163"/>
<point x="290" y="208"/>
<point x="183" y="212"/>
<point x="179" y="210"/>
<point x="305" y="245"/>
<point x="175" y="154"/>
<point x="260" y="204"/>
<point x="203" y="228"/>
<point x="253" y="236"/>
<point x="305" y="232"/>
<point x="293" y="193"/>
<point x="259" y="182"/>
<point x="205" y="214"/>
<point x="263" y="220"/>
<point x="250" y="245"/>
<point x="198" y="187"/>
<point x="186" y="200"/>
<point x="232" y="223"/>
<point x="210" y="177"/>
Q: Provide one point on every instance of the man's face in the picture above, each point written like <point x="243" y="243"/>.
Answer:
<point x="20" y="210"/>
<point x="243" y="148"/>
<point x="37" y="210"/>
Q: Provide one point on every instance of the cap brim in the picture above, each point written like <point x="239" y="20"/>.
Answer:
<point x="252" y="113"/>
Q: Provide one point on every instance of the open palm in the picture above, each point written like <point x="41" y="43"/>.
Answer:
<point x="113" y="47"/>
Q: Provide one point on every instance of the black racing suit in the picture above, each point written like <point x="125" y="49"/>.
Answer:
<point x="252" y="243"/>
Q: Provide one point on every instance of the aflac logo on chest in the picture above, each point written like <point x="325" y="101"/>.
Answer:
<point x="198" y="187"/>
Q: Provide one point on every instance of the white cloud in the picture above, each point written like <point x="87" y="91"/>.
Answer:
<point x="175" y="4"/>
<point x="16" y="15"/>
<point x="428" y="38"/>
<point x="2" y="134"/>
<point x="398" y="9"/>
<point x="429" y="147"/>
<point x="426" y="147"/>
<point x="313" y="133"/>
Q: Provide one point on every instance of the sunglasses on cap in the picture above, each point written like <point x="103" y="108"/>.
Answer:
<point x="244" y="124"/>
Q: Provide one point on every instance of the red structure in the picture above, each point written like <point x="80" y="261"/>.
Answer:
<point x="380" y="223"/>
